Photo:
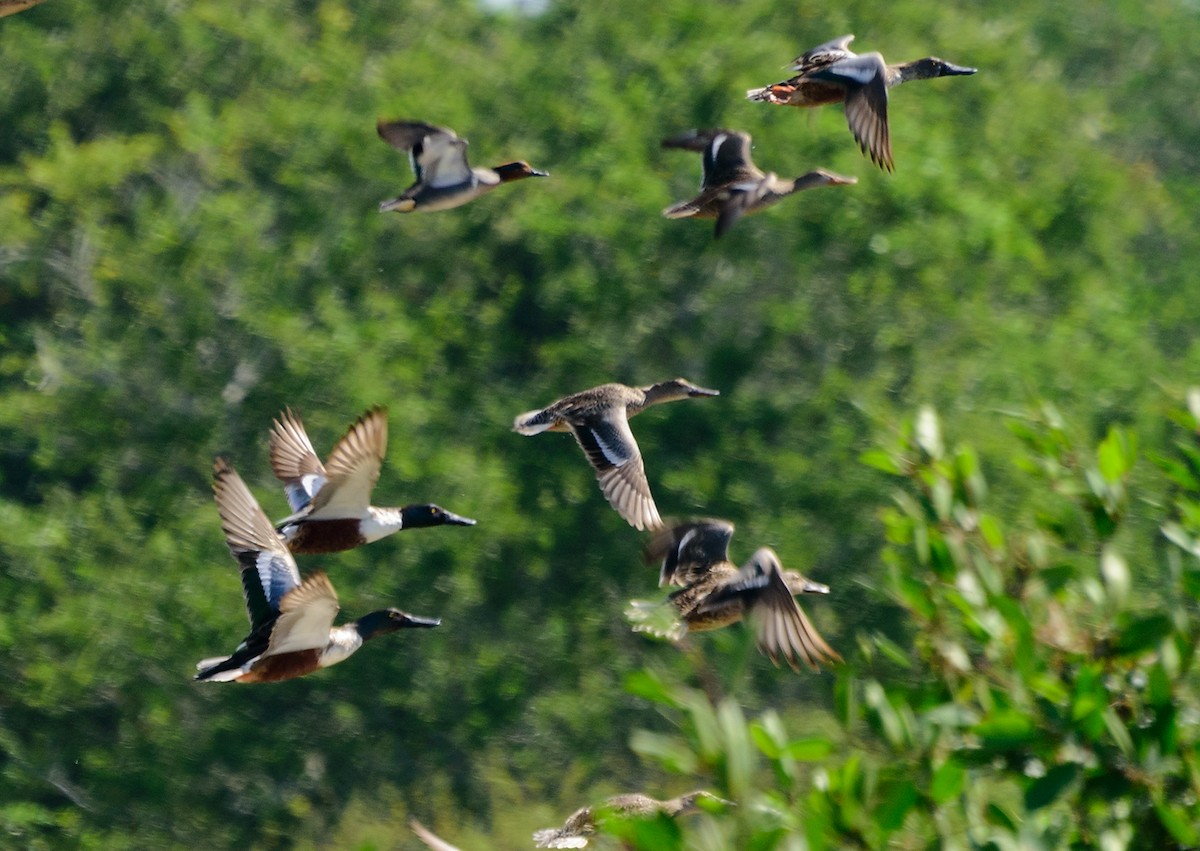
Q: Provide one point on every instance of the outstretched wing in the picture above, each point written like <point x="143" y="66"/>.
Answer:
<point x="269" y="572"/>
<point x="306" y="615"/>
<point x="352" y="468"/>
<point x="610" y="447"/>
<point x="294" y="461"/>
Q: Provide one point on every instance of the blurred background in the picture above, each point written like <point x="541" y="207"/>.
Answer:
<point x="189" y="243"/>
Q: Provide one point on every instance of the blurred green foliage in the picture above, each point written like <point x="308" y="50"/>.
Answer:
<point x="1040" y="707"/>
<point x="189" y="242"/>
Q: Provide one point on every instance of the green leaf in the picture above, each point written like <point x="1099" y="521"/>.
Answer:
<point x="947" y="782"/>
<point x="1116" y="454"/>
<point x="1143" y="634"/>
<point x="1119" y="733"/>
<point x="1047" y="788"/>
<point x="1006" y="730"/>
<point x="1178" y="822"/>
<point x="892" y="650"/>
<point x="898" y="801"/>
<point x="881" y="460"/>
<point x="996" y="815"/>
<point x="643" y="684"/>
<point x="809" y="749"/>
<point x="671" y="752"/>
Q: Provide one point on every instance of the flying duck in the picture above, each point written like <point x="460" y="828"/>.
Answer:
<point x="331" y="503"/>
<point x="732" y="186"/>
<point x="581" y="824"/>
<point x="599" y="419"/>
<point x="832" y="73"/>
<point x="439" y="160"/>
<point x="291" y="620"/>
<point x="715" y="593"/>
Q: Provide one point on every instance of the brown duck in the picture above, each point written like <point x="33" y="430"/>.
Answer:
<point x="732" y="186"/>
<point x="832" y="73"/>
<point x="582" y="823"/>
<point x="715" y="593"/>
<point x="599" y="419"/>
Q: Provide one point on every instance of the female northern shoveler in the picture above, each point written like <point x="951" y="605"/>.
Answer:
<point x="716" y="593"/>
<point x="439" y="161"/>
<point x="582" y="823"/>
<point x="331" y="503"/>
<point x="291" y="620"/>
<point x="832" y="73"/>
<point x="599" y="419"/>
<point x="732" y="186"/>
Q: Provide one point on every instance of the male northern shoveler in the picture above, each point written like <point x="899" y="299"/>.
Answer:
<point x="599" y="419"/>
<point x="331" y="503"/>
<point x="732" y="186"/>
<point x="439" y="161"/>
<point x="291" y="620"/>
<point x="581" y="824"/>
<point x="716" y="593"/>
<point x="832" y="73"/>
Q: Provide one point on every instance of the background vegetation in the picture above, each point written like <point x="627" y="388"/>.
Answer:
<point x="189" y="242"/>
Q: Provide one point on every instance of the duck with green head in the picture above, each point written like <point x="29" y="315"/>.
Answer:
<point x="331" y="502"/>
<point x="291" y="619"/>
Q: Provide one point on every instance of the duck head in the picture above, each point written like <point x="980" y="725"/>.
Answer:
<point x="931" y="66"/>
<point x="423" y="516"/>
<point x="799" y="584"/>
<point x="383" y="621"/>
<point x="676" y="388"/>
<point x="518" y="171"/>
<point x="689" y="803"/>
<point x="820" y="177"/>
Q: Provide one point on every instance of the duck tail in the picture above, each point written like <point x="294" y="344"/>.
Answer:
<point x="534" y="422"/>
<point x="553" y="837"/>
<point x="777" y="94"/>
<point x="217" y="670"/>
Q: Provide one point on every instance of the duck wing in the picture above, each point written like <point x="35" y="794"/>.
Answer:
<point x="352" y="469"/>
<point x="609" y="444"/>
<point x="689" y="550"/>
<point x="780" y="625"/>
<point x="306" y="615"/>
<point x="865" y="80"/>
<point x="726" y="155"/>
<point x="294" y="461"/>
<point x="269" y="572"/>
<point x="823" y="55"/>
<point x="425" y="144"/>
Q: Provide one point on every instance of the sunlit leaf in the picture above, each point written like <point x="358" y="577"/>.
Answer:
<point x="947" y="782"/>
<point x="809" y="749"/>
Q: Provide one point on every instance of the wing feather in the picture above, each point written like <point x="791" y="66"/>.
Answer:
<point x="613" y="452"/>
<point x="352" y="468"/>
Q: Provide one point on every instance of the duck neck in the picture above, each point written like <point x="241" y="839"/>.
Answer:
<point x="381" y="522"/>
